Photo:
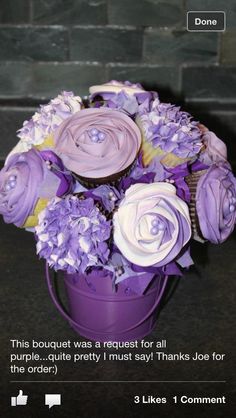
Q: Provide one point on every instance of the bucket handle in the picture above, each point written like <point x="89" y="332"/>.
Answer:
<point x="71" y="321"/>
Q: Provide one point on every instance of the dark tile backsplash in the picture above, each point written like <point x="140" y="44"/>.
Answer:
<point x="177" y="47"/>
<point x="213" y="83"/>
<point x="34" y="43"/>
<point x="51" y="45"/>
<point x="14" y="11"/>
<point x="164" y="13"/>
<point x="106" y="44"/>
<point x="67" y="12"/>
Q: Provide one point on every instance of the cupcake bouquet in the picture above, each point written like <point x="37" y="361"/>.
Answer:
<point x="118" y="182"/>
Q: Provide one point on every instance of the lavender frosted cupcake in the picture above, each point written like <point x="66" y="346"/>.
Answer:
<point x="37" y="132"/>
<point x="27" y="182"/>
<point x="168" y="134"/>
<point x="213" y="203"/>
<point x="98" y="145"/>
<point x="73" y="234"/>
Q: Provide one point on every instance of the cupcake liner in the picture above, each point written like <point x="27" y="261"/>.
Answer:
<point x="112" y="180"/>
<point x="192" y="181"/>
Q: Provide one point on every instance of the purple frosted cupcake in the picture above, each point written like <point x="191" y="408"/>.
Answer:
<point x="98" y="145"/>
<point x="27" y="182"/>
<point x="114" y="87"/>
<point x="213" y="203"/>
<point x="168" y="134"/>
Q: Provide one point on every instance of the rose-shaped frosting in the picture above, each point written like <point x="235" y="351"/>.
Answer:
<point x="216" y="203"/>
<point x="114" y="86"/>
<point x="215" y="151"/>
<point x="152" y="224"/>
<point x="96" y="143"/>
<point x="23" y="180"/>
<point x="19" y="183"/>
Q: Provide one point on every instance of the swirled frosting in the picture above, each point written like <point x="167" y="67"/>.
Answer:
<point x="216" y="203"/>
<point x="97" y="143"/>
<point x="152" y="224"/>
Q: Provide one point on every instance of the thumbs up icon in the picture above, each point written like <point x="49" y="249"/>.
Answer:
<point x="19" y="400"/>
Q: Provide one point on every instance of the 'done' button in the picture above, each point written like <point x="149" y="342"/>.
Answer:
<point x="206" y="21"/>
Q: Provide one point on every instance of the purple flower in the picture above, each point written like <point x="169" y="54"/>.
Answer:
<point x="108" y="196"/>
<point x="138" y="171"/>
<point x="55" y="164"/>
<point x="216" y="203"/>
<point x="122" y="271"/>
<point x="171" y="129"/>
<point x="177" y="177"/>
<point x="23" y="180"/>
<point x="72" y="234"/>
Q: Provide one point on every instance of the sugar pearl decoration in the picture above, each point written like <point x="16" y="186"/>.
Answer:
<point x="96" y="135"/>
<point x="157" y="226"/>
<point x="154" y="230"/>
<point x="154" y="222"/>
<point x="161" y="226"/>
<point x="94" y="131"/>
<point x="101" y="136"/>
<point x="10" y="183"/>
<point x="94" y="138"/>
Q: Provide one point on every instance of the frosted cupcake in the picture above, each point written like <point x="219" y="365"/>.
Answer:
<point x="213" y="203"/>
<point x="37" y="132"/>
<point x="98" y="145"/>
<point x="168" y="134"/>
<point x="127" y="97"/>
<point x="214" y="149"/>
<point x="152" y="224"/>
<point x="114" y="87"/>
<point x="27" y="183"/>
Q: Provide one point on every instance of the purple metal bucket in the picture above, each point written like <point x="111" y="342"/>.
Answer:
<point x="100" y="314"/>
